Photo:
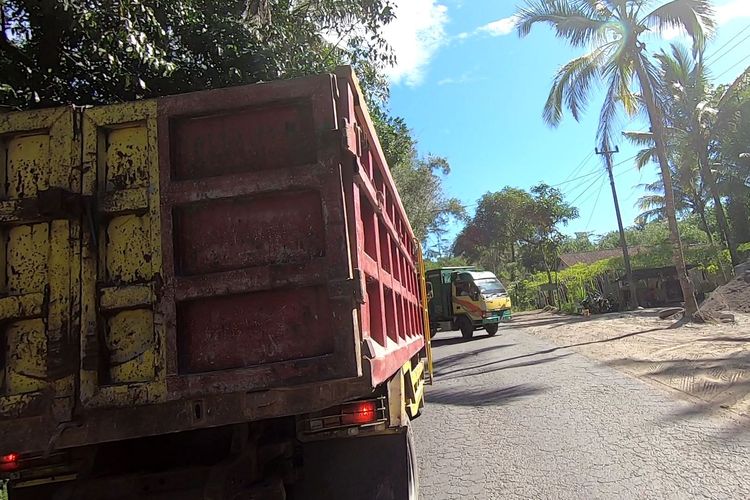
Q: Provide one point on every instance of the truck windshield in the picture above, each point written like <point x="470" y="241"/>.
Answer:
<point x="490" y="286"/>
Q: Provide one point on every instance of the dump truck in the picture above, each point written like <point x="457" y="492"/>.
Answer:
<point x="210" y="295"/>
<point x="466" y="299"/>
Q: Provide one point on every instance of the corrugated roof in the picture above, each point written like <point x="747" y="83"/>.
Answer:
<point x="571" y="259"/>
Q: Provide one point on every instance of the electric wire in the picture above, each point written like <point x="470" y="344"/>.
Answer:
<point x="593" y="211"/>
<point x="734" y="66"/>
<point x="715" y="55"/>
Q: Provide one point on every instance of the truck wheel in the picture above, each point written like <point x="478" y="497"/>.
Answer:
<point x="380" y="467"/>
<point x="412" y="464"/>
<point x="491" y="329"/>
<point x="466" y="327"/>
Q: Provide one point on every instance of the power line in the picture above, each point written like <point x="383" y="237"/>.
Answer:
<point x="593" y="211"/>
<point x="579" y="167"/>
<point x="717" y="51"/>
<point x="734" y="66"/>
<point x="583" y="164"/>
<point x="589" y="197"/>
<point x="625" y="161"/>
<point x="601" y="174"/>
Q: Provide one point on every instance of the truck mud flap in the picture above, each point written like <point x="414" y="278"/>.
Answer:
<point x="382" y="467"/>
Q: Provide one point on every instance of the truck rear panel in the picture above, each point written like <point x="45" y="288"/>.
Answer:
<point x="198" y="260"/>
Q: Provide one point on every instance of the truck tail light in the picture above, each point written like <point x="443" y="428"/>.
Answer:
<point x="359" y="413"/>
<point x="9" y="462"/>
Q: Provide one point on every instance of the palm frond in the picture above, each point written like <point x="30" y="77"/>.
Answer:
<point x="639" y="138"/>
<point x="578" y="22"/>
<point x="571" y="86"/>
<point x="644" y="157"/>
<point x="695" y="17"/>
<point x="619" y="72"/>
<point x="650" y="201"/>
<point x="726" y="105"/>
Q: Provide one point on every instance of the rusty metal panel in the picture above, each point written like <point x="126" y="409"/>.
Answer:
<point x="241" y="331"/>
<point x="275" y="228"/>
<point x="264" y="136"/>
<point x="38" y="269"/>
<point x="259" y="288"/>
<point x="122" y="339"/>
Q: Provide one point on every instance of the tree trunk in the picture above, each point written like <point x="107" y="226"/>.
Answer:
<point x="737" y="211"/>
<point x="710" y="181"/>
<point x="701" y="207"/>
<point x="657" y="126"/>
<point x="550" y="293"/>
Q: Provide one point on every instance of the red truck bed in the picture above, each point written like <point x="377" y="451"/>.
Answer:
<point x="239" y="254"/>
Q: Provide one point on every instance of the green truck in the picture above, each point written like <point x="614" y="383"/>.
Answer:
<point x="466" y="299"/>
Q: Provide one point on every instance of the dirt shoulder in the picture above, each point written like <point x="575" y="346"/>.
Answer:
<point x="710" y="361"/>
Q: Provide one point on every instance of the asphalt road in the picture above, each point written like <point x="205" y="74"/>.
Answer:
<point x="515" y="417"/>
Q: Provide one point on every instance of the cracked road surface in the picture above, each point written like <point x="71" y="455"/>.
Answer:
<point x="514" y="416"/>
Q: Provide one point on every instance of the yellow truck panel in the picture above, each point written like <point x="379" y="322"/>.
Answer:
<point x="122" y="264"/>
<point x="38" y="268"/>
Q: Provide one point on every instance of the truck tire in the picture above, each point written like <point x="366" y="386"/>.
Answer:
<point x="466" y="326"/>
<point x="381" y="467"/>
<point x="413" y="465"/>
<point x="491" y="329"/>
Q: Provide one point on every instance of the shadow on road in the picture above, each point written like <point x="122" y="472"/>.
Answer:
<point x="481" y="397"/>
<point x="547" y="320"/>
<point x="458" y="358"/>
<point x="473" y="369"/>
<point x="439" y="342"/>
<point x="486" y="368"/>
<point x="720" y="381"/>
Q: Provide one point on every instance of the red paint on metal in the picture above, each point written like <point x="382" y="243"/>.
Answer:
<point x="241" y="331"/>
<point x="242" y="140"/>
<point x="235" y="233"/>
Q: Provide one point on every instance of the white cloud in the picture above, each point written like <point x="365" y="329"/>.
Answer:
<point x="732" y="10"/>
<point x="461" y="79"/>
<point x="416" y="33"/>
<point x="501" y="27"/>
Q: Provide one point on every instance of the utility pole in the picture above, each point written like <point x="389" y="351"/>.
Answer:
<point x="607" y="153"/>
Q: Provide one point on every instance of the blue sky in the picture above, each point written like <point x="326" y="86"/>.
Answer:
<point x="473" y="92"/>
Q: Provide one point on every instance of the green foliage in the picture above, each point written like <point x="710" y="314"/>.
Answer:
<point x="578" y="280"/>
<point x="446" y="262"/>
<point x="513" y="223"/>
<point x="499" y="224"/>
<point x="580" y="243"/>
<point x="94" y="51"/>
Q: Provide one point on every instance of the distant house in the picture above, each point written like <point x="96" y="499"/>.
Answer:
<point x="567" y="260"/>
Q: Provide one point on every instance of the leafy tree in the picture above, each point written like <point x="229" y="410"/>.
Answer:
<point x="514" y="225"/>
<point x="94" y="51"/>
<point x="500" y="222"/>
<point x="614" y="30"/>
<point x="549" y="212"/>
<point x="729" y="154"/>
<point x="578" y="244"/>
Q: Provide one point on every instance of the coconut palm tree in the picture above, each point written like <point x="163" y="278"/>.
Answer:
<point x="695" y="119"/>
<point x="613" y="31"/>
<point x="700" y="117"/>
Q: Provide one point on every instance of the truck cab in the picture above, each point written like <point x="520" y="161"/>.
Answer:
<point x="467" y="299"/>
